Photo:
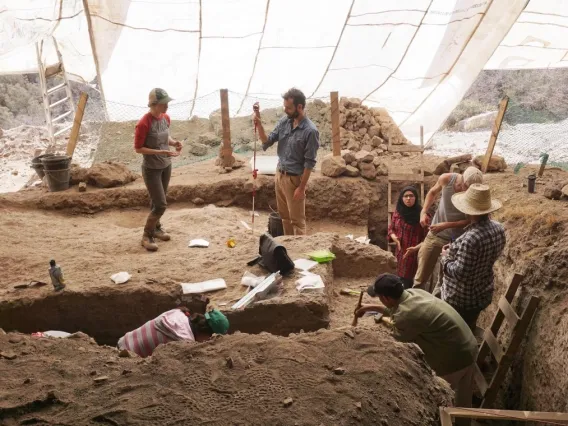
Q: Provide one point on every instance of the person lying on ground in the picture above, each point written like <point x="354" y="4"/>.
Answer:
<point x="418" y="317"/>
<point x="447" y="224"/>
<point x="152" y="139"/>
<point x="405" y="230"/>
<point x="173" y="325"/>
<point x="468" y="262"/>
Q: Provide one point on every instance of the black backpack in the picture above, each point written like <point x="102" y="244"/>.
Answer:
<point x="273" y="256"/>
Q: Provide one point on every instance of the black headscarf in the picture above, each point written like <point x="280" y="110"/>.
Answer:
<point x="410" y="215"/>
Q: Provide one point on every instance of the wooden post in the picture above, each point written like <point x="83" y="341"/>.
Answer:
<point x="495" y="132"/>
<point x="335" y="132"/>
<point x="227" y="159"/>
<point x="77" y="124"/>
<point x="544" y="160"/>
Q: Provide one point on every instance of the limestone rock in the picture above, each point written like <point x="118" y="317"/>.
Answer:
<point x="376" y="142"/>
<point x="368" y="148"/>
<point x="333" y="166"/>
<point x="552" y="193"/>
<point x="364" y="156"/>
<point x="209" y="139"/>
<point x="351" y="171"/>
<point x="362" y="131"/>
<point x="198" y="149"/>
<point x="348" y="156"/>
<point x="382" y="169"/>
<point x="353" y="145"/>
<point x="565" y="190"/>
<point x="354" y="164"/>
<point x="109" y="175"/>
<point x="374" y="131"/>
<point x="377" y="161"/>
<point x="354" y="103"/>
<point x="198" y="201"/>
<point x="384" y="147"/>
<point x="496" y="163"/>
<point x="368" y="170"/>
<point x="82" y="187"/>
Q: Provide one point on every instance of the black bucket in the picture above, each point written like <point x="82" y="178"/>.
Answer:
<point x="532" y="182"/>
<point x="275" y="225"/>
<point x="57" y="170"/>
<point x="38" y="166"/>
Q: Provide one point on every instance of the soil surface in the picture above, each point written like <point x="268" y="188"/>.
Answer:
<point x="339" y="377"/>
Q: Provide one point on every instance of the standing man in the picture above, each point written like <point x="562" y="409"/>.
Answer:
<point x="468" y="262"/>
<point x="298" y="143"/>
<point x="418" y="317"/>
<point x="448" y="222"/>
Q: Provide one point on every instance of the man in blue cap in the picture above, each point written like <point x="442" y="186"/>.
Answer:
<point x="438" y="329"/>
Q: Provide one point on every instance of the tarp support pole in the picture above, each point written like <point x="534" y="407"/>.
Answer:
<point x="95" y="56"/>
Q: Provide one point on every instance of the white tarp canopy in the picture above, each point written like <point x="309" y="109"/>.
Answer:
<point x="417" y="58"/>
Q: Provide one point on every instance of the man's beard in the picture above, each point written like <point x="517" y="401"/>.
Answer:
<point x="294" y="115"/>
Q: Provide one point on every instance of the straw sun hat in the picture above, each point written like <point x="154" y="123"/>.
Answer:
<point x="476" y="200"/>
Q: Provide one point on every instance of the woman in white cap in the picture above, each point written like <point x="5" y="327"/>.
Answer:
<point x="468" y="262"/>
<point x="152" y="139"/>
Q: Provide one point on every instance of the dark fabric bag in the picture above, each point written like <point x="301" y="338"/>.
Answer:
<point x="273" y="256"/>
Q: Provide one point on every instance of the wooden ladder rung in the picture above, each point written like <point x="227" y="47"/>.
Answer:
<point x="480" y="380"/>
<point x="62" y="116"/>
<point x="406" y="177"/>
<point x="405" y="148"/>
<point x="62" y="130"/>
<point x="59" y="102"/>
<point x="56" y="88"/>
<point x="509" y="312"/>
<point x="493" y="344"/>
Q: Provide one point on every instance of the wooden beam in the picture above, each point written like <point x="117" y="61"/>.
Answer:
<point x="493" y="345"/>
<point x="95" y="55"/>
<point x="406" y="177"/>
<point x="226" y="150"/>
<point x="335" y="132"/>
<point x="484" y="413"/>
<point x="405" y="148"/>
<point x="74" y="137"/>
<point x="480" y="380"/>
<point x="495" y="132"/>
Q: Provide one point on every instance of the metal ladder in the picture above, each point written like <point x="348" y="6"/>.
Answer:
<point x="48" y="77"/>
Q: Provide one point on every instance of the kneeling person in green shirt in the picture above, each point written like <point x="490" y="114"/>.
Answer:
<point x="418" y="317"/>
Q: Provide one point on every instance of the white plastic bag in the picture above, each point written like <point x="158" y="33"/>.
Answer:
<point x="199" y="243"/>
<point x="251" y="280"/>
<point x="310" y="283"/>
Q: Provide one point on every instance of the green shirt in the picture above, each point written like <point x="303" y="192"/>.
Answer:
<point x="444" y="337"/>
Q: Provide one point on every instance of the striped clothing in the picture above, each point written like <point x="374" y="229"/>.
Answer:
<point x="171" y="325"/>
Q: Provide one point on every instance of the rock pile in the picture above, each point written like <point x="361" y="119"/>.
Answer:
<point x="365" y="134"/>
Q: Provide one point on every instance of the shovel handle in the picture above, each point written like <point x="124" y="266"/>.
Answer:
<point x="355" y="317"/>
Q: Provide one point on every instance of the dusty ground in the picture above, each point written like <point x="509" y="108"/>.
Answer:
<point x="381" y="382"/>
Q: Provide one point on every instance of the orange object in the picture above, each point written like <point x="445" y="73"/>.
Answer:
<point x="231" y="243"/>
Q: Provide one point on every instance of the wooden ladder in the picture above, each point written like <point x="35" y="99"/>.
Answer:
<point x="54" y="79"/>
<point x="503" y="354"/>
<point x="405" y="177"/>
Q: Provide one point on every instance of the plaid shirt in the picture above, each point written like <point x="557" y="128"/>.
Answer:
<point x="468" y="268"/>
<point x="409" y="236"/>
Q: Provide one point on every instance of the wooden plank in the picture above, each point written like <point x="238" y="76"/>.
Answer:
<point x="480" y="380"/>
<point x="406" y="177"/>
<point x="335" y="132"/>
<point x="74" y="137"/>
<point x="493" y="345"/>
<point x="499" y="315"/>
<point x="95" y="55"/>
<point x="518" y="334"/>
<point x="226" y="151"/>
<point x="405" y="148"/>
<point x="509" y="312"/>
<point x="445" y="417"/>
<point x="495" y="132"/>
<point x="490" y="414"/>
<point x="422" y="163"/>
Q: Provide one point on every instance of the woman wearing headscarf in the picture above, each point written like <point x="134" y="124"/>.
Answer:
<point x="152" y="139"/>
<point x="405" y="230"/>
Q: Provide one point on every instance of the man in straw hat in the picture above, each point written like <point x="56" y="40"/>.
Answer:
<point x="448" y="222"/>
<point x="468" y="262"/>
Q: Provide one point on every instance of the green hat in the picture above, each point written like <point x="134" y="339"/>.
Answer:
<point x="158" y="96"/>
<point x="217" y="321"/>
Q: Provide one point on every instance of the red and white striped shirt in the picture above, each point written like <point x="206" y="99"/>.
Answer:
<point x="171" y="325"/>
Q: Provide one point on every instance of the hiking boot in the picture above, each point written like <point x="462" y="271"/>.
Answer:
<point x="161" y="234"/>
<point x="59" y="287"/>
<point x="148" y="243"/>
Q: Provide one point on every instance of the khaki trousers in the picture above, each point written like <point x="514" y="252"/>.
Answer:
<point x="292" y="212"/>
<point x="428" y="255"/>
<point x="462" y="384"/>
